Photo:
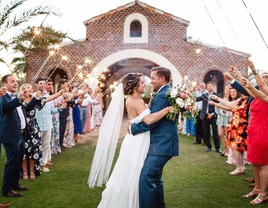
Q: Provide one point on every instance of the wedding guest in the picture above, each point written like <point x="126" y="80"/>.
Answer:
<point x="84" y="106"/>
<point x="76" y="116"/>
<point x="190" y="127"/>
<point x="237" y="130"/>
<point x="87" y="127"/>
<point x="44" y="120"/>
<point x="68" y="139"/>
<point x="97" y="109"/>
<point x="65" y="113"/>
<point x="13" y="138"/>
<point x="209" y="117"/>
<point x="199" y="104"/>
<point x="223" y="119"/>
<point x="257" y="137"/>
<point x="33" y="145"/>
<point x="6" y="107"/>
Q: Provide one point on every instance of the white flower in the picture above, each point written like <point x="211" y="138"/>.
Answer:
<point x="173" y="93"/>
<point x="35" y="156"/>
<point x="34" y="141"/>
<point x="188" y="102"/>
<point x="180" y="102"/>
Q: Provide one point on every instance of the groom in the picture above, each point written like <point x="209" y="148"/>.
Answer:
<point x="164" y="143"/>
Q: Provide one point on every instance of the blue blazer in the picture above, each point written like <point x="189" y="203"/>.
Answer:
<point x="164" y="138"/>
<point x="12" y="130"/>
<point x="6" y="107"/>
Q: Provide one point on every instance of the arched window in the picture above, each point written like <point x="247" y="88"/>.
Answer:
<point x="135" y="29"/>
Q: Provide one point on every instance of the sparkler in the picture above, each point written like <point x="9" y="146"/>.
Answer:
<point x="255" y="24"/>
<point x="51" y="53"/>
<point x="63" y="58"/>
<point x="36" y="33"/>
<point x="88" y="61"/>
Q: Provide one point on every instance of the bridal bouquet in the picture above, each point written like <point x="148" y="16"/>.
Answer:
<point x="183" y="100"/>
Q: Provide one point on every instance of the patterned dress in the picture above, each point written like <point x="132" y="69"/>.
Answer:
<point x="68" y="140"/>
<point x="237" y="130"/>
<point x="97" y="113"/>
<point x="55" y="135"/>
<point x="33" y="144"/>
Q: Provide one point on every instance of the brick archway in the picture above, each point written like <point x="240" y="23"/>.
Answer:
<point x="140" y="54"/>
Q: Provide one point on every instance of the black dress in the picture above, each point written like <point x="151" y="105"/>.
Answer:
<point x="33" y="144"/>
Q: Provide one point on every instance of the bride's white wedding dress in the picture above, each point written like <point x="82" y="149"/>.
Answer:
<point x="122" y="188"/>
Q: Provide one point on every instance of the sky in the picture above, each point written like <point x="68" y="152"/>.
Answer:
<point x="242" y="35"/>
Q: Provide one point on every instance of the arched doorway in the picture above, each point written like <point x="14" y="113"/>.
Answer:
<point x="57" y="76"/>
<point x="216" y="77"/>
<point x="119" y="69"/>
<point x="154" y="57"/>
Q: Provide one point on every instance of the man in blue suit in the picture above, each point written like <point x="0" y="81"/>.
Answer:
<point x="164" y="143"/>
<point x="13" y="138"/>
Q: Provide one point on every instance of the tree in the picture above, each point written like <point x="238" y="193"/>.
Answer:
<point x="10" y="18"/>
<point x="39" y="43"/>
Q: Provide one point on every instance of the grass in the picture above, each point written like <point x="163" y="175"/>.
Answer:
<point x="194" y="179"/>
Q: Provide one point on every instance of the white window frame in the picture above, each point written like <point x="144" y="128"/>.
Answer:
<point x="144" y="28"/>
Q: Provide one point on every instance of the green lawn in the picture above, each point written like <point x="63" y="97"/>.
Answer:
<point x="194" y="179"/>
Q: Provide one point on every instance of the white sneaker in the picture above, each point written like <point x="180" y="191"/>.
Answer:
<point x="44" y="169"/>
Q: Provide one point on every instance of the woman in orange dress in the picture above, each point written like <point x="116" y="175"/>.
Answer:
<point x="237" y="130"/>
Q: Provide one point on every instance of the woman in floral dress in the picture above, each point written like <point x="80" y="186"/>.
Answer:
<point x="33" y="145"/>
<point x="237" y="130"/>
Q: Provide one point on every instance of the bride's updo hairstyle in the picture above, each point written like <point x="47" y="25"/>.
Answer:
<point x="130" y="81"/>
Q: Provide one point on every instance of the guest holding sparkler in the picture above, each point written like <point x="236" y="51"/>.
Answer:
<point x="257" y="135"/>
<point x="97" y="109"/>
<point x="44" y="119"/>
<point x="209" y="117"/>
<point x="33" y="153"/>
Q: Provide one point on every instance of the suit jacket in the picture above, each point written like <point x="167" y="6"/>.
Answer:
<point x="243" y="91"/>
<point x="164" y="139"/>
<point x="211" y="108"/>
<point x="12" y="130"/>
<point x="6" y="107"/>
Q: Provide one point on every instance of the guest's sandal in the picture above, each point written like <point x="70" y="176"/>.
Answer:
<point x="252" y="194"/>
<point x="258" y="199"/>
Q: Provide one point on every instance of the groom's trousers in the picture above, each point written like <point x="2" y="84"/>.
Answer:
<point x="151" y="193"/>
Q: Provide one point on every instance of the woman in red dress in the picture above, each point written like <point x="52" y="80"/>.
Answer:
<point x="258" y="134"/>
<point x="258" y="143"/>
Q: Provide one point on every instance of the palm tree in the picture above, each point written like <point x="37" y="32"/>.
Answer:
<point x="10" y="18"/>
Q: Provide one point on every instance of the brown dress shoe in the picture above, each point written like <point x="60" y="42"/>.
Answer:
<point x="4" y="205"/>
<point x="21" y="188"/>
<point x="12" y="193"/>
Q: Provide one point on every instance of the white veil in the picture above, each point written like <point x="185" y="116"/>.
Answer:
<point x="107" y="141"/>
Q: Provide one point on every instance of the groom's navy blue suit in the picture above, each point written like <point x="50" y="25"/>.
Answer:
<point x="164" y="143"/>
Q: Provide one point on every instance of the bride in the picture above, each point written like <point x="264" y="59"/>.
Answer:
<point x="122" y="188"/>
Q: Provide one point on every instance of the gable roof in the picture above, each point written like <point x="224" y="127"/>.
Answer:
<point x="142" y="5"/>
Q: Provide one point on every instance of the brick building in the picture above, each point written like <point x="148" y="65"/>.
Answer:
<point x="134" y="38"/>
